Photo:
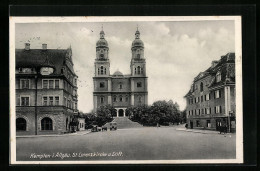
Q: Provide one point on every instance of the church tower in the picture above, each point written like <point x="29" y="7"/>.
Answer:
<point x="139" y="93"/>
<point x="102" y="64"/>
<point x="102" y="79"/>
<point x="138" y="66"/>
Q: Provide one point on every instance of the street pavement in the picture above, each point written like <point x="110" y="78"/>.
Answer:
<point x="145" y="143"/>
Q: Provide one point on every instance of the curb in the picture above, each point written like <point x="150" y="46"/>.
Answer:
<point x="202" y="132"/>
<point x="52" y="135"/>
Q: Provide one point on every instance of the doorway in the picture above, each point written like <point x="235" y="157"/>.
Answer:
<point x="121" y="112"/>
<point x="191" y="125"/>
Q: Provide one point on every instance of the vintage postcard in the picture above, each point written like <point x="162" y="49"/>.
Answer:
<point x="126" y="90"/>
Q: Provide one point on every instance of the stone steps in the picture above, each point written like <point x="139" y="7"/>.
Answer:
<point x="124" y="122"/>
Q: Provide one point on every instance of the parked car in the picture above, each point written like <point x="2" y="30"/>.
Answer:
<point x="104" y="128"/>
<point x="94" y="128"/>
<point x="113" y="126"/>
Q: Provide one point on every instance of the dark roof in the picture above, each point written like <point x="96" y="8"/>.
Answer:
<point x="221" y="67"/>
<point x="37" y="58"/>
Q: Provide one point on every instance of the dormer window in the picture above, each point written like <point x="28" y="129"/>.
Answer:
<point x="218" y="77"/>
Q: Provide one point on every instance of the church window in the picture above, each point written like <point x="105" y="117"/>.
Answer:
<point x="101" y="70"/>
<point x="114" y="98"/>
<point x="120" y="99"/>
<point x="126" y="98"/>
<point x="102" y="99"/>
<point x="102" y="84"/>
<point x="138" y="70"/>
<point x="120" y="86"/>
<point x="139" y="84"/>
<point x="135" y="70"/>
<point x="98" y="71"/>
<point x="218" y="77"/>
<point x="138" y="55"/>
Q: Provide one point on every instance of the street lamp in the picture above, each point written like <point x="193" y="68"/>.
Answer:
<point x="229" y="124"/>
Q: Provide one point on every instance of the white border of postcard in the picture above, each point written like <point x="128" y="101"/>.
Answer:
<point x="238" y="61"/>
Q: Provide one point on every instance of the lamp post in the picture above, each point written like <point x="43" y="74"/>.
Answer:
<point x="229" y="116"/>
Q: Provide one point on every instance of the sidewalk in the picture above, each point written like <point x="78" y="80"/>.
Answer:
<point x="202" y="131"/>
<point x="55" y="135"/>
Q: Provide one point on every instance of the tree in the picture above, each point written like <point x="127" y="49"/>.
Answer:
<point x="105" y="114"/>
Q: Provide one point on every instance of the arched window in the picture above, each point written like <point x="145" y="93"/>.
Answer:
<point x="218" y="77"/>
<point x="46" y="123"/>
<point x="105" y="71"/>
<point x="98" y="71"/>
<point x="102" y="99"/>
<point x="138" y="70"/>
<point x="101" y="70"/>
<point x="120" y="98"/>
<point x="114" y="98"/>
<point x="20" y="124"/>
<point x="201" y="86"/>
<point x="135" y="70"/>
<point x="138" y="56"/>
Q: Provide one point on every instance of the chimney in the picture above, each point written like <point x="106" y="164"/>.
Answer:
<point x="27" y="46"/>
<point x="44" y="46"/>
<point x="214" y="63"/>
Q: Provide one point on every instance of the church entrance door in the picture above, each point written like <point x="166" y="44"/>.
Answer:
<point x="121" y="112"/>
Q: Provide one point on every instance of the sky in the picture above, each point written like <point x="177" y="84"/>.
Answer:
<point x="175" y="51"/>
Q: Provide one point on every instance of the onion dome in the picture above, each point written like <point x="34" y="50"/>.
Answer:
<point x="102" y="41"/>
<point x="118" y="74"/>
<point x="137" y="42"/>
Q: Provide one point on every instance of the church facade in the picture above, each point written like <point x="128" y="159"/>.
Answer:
<point x="119" y="90"/>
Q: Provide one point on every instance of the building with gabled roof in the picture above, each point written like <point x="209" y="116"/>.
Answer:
<point x="119" y="90"/>
<point x="46" y="90"/>
<point x="211" y="98"/>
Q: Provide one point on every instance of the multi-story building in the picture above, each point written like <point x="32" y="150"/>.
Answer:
<point x="118" y="90"/>
<point x="46" y="90"/>
<point x="211" y="98"/>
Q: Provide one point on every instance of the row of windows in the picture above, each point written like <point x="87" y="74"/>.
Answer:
<point x="46" y="84"/>
<point x="217" y="94"/>
<point x="46" y="124"/>
<point x="50" y="84"/>
<point x="203" y="111"/>
<point x="49" y="101"/>
<point x="102" y="70"/>
<point x="138" y="70"/>
<point x="102" y="85"/>
<point x="120" y="99"/>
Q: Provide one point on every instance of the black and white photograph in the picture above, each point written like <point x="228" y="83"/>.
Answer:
<point x="126" y="90"/>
